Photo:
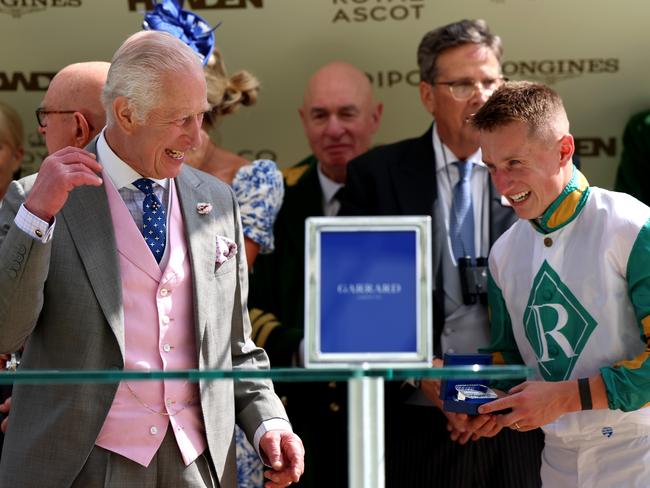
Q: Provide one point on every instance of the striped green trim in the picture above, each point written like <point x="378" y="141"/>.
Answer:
<point x="566" y="207"/>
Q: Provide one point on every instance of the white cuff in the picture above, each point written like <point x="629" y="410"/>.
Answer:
<point x="267" y="425"/>
<point x="31" y="225"/>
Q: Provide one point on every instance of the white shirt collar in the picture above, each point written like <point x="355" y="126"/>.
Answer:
<point x="446" y="156"/>
<point x="328" y="186"/>
<point x="121" y="174"/>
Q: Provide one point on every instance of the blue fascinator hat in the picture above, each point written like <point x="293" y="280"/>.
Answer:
<point x="168" y="16"/>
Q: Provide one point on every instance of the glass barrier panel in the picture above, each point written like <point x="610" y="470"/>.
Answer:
<point x="33" y="376"/>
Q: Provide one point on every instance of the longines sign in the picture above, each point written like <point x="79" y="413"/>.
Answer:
<point x="200" y="4"/>
<point x="551" y="71"/>
<point x="17" y="8"/>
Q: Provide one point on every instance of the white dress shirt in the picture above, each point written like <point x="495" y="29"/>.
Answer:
<point x="329" y="187"/>
<point x="466" y="326"/>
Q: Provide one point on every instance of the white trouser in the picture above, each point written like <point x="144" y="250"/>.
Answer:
<point x="601" y="459"/>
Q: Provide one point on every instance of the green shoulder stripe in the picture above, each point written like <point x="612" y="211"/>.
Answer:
<point x="638" y="273"/>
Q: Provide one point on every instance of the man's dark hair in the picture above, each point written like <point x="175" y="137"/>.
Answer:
<point x="456" y="34"/>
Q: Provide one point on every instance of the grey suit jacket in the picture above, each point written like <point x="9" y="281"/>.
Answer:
<point x="63" y="300"/>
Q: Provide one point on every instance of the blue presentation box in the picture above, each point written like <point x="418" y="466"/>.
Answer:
<point x="466" y="395"/>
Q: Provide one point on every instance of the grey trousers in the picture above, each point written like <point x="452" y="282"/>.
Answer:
<point x="106" y="469"/>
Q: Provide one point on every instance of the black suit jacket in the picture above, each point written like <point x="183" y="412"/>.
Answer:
<point x="400" y="179"/>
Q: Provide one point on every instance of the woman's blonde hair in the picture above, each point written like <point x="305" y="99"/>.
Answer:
<point x="11" y="126"/>
<point x="227" y="93"/>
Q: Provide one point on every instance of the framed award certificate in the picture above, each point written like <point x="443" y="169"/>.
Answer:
<point x="368" y="291"/>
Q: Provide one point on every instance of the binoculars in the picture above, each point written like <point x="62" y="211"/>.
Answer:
<point x="473" y="279"/>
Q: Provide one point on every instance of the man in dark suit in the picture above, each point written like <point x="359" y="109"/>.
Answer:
<point x="441" y="174"/>
<point x="340" y="117"/>
<point x="119" y="256"/>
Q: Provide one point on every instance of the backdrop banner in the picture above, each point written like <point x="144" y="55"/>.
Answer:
<point x="593" y="53"/>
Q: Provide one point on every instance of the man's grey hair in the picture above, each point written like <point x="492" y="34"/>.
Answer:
<point x="138" y="68"/>
<point x="435" y="42"/>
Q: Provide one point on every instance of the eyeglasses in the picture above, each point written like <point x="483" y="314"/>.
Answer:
<point x="41" y="115"/>
<point x="465" y="89"/>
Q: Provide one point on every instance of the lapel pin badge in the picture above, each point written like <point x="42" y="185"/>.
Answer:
<point x="203" y="208"/>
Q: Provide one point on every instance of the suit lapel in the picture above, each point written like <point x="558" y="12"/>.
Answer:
<point x="87" y="217"/>
<point x="416" y="190"/>
<point x="200" y="235"/>
<point x="414" y="177"/>
<point x="307" y="191"/>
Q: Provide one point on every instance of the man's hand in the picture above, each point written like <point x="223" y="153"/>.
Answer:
<point x="535" y="403"/>
<point x="286" y="455"/>
<point x="461" y="427"/>
<point x="59" y="174"/>
<point x="4" y="409"/>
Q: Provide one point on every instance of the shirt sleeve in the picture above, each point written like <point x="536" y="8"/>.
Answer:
<point x="266" y="426"/>
<point x="259" y="190"/>
<point x="628" y="382"/>
<point x="33" y="226"/>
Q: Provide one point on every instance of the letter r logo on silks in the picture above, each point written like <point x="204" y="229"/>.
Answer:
<point x="556" y="325"/>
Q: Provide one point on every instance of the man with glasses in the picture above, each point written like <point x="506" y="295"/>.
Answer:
<point x="71" y="113"/>
<point x="77" y="85"/>
<point x="441" y="174"/>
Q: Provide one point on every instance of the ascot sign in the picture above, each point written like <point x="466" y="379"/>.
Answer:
<point x="376" y="10"/>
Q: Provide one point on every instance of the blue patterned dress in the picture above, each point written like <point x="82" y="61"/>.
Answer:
<point x="259" y="190"/>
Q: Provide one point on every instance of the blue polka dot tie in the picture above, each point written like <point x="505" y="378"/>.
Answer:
<point x="461" y="217"/>
<point x="154" y="218"/>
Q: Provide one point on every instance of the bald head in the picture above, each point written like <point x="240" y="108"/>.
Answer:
<point x="339" y="116"/>
<point x="336" y="79"/>
<point x="77" y="88"/>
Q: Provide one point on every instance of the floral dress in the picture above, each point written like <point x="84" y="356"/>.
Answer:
<point x="259" y="190"/>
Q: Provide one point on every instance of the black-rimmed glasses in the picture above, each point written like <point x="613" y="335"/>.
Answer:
<point x="41" y="115"/>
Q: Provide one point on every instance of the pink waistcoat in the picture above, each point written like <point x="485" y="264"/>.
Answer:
<point x="158" y="334"/>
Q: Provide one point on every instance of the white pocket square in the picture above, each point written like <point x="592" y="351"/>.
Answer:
<point x="226" y="249"/>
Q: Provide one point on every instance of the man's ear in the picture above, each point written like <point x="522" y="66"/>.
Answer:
<point x="123" y="114"/>
<point x="567" y="148"/>
<point x="427" y="97"/>
<point x="376" y="116"/>
<point x="82" y="130"/>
